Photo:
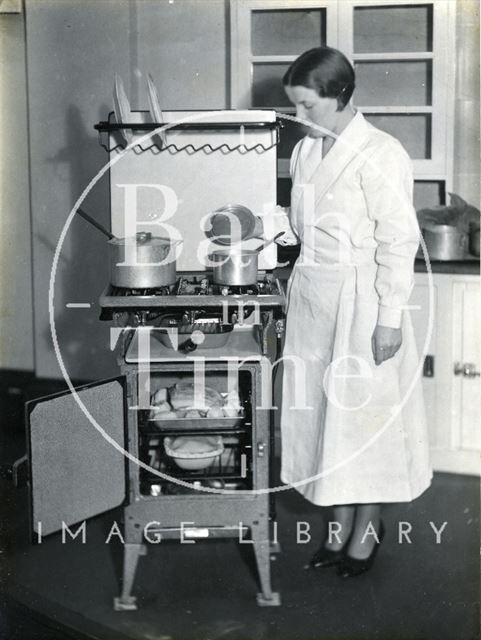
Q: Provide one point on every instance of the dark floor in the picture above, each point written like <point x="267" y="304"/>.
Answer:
<point x="421" y="591"/>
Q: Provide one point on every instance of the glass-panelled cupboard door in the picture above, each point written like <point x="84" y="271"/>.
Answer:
<point x="268" y="35"/>
<point x="400" y="54"/>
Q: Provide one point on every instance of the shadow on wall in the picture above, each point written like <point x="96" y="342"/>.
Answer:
<point x="83" y="264"/>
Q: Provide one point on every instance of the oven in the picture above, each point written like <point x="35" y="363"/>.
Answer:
<point x="191" y="471"/>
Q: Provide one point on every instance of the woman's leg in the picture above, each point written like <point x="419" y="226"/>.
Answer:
<point x="344" y="517"/>
<point x="368" y="518"/>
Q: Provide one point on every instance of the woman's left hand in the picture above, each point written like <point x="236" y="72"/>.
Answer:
<point x="385" y="343"/>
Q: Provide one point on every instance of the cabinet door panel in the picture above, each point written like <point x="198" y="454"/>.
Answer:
<point x="391" y="28"/>
<point x="75" y="472"/>
<point x="286" y="31"/>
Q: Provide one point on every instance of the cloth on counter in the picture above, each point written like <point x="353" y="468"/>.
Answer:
<point x="457" y="214"/>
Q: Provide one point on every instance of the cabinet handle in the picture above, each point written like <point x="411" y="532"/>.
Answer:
<point x="466" y="369"/>
<point x="261" y="449"/>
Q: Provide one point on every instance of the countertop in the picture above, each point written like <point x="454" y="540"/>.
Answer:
<point x="470" y="266"/>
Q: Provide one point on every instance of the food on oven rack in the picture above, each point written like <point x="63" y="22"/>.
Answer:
<point x="192" y="413"/>
<point x="215" y="412"/>
<point x="164" y="415"/>
<point x="162" y="407"/>
<point x="159" y="397"/>
<point x="183" y="395"/>
<point x="182" y="403"/>
<point x="192" y="452"/>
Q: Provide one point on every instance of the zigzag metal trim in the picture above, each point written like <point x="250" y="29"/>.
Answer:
<point x="191" y="149"/>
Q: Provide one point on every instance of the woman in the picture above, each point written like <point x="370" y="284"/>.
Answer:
<point x="359" y="439"/>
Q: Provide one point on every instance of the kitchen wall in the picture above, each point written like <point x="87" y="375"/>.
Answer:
<point x="74" y="48"/>
<point x="16" y="320"/>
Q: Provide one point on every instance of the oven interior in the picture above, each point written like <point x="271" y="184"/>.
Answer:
<point x="232" y="469"/>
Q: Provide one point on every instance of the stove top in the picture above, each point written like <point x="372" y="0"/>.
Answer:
<point x="196" y="291"/>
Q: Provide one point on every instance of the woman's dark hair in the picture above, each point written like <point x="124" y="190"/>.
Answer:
<point x="325" y="70"/>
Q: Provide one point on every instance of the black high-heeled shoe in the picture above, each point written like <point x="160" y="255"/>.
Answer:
<point x="324" y="558"/>
<point x="352" y="567"/>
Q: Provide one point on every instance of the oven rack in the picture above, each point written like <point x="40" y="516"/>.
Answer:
<point x="171" y="490"/>
<point x="227" y="431"/>
<point x="226" y="426"/>
<point x="199" y="474"/>
<point x="218" y="470"/>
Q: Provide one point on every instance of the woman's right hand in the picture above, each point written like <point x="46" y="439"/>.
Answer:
<point x="385" y="343"/>
<point x="258" y="231"/>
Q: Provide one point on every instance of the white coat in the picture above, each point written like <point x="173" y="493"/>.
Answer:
<point x="359" y="435"/>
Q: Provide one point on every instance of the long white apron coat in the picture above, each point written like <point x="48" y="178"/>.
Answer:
<point x="352" y="432"/>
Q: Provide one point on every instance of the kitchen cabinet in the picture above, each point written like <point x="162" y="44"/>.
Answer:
<point x="452" y="364"/>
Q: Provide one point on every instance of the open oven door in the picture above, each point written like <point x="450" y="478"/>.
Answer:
<point x="75" y="472"/>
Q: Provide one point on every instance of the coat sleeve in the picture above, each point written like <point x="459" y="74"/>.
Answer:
<point x="278" y="220"/>
<point x="387" y="182"/>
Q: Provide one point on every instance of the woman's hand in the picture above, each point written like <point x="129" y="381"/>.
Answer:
<point x="258" y="229"/>
<point x="385" y="343"/>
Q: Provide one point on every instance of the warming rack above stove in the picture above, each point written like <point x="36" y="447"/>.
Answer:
<point x="105" y="129"/>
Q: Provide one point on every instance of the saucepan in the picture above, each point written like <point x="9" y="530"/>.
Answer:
<point x="143" y="261"/>
<point x="445" y="242"/>
<point x="236" y="266"/>
<point x="474" y="228"/>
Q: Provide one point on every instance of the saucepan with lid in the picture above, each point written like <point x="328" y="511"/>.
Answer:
<point x="143" y="261"/>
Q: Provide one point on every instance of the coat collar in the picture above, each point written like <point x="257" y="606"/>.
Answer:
<point x="348" y="145"/>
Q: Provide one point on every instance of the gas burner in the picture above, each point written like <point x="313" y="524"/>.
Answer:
<point x="194" y="292"/>
<point x="200" y="286"/>
<point x="244" y="290"/>
<point x="157" y="291"/>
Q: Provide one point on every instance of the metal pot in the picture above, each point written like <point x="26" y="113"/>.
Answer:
<point x="142" y="262"/>
<point x="445" y="242"/>
<point x="236" y="266"/>
<point x="474" y="239"/>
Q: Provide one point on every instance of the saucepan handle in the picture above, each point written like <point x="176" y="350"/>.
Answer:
<point x="264" y="245"/>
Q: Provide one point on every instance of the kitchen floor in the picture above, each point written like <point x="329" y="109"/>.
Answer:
<point x="206" y="591"/>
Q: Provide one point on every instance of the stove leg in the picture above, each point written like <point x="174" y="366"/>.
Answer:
<point x="132" y="552"/>
<point x="261" y="543"/>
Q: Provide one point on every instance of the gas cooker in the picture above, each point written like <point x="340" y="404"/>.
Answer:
<point x="197" y="291"/>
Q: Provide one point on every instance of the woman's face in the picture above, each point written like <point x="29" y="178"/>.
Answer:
<point x="310" y="106"/>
